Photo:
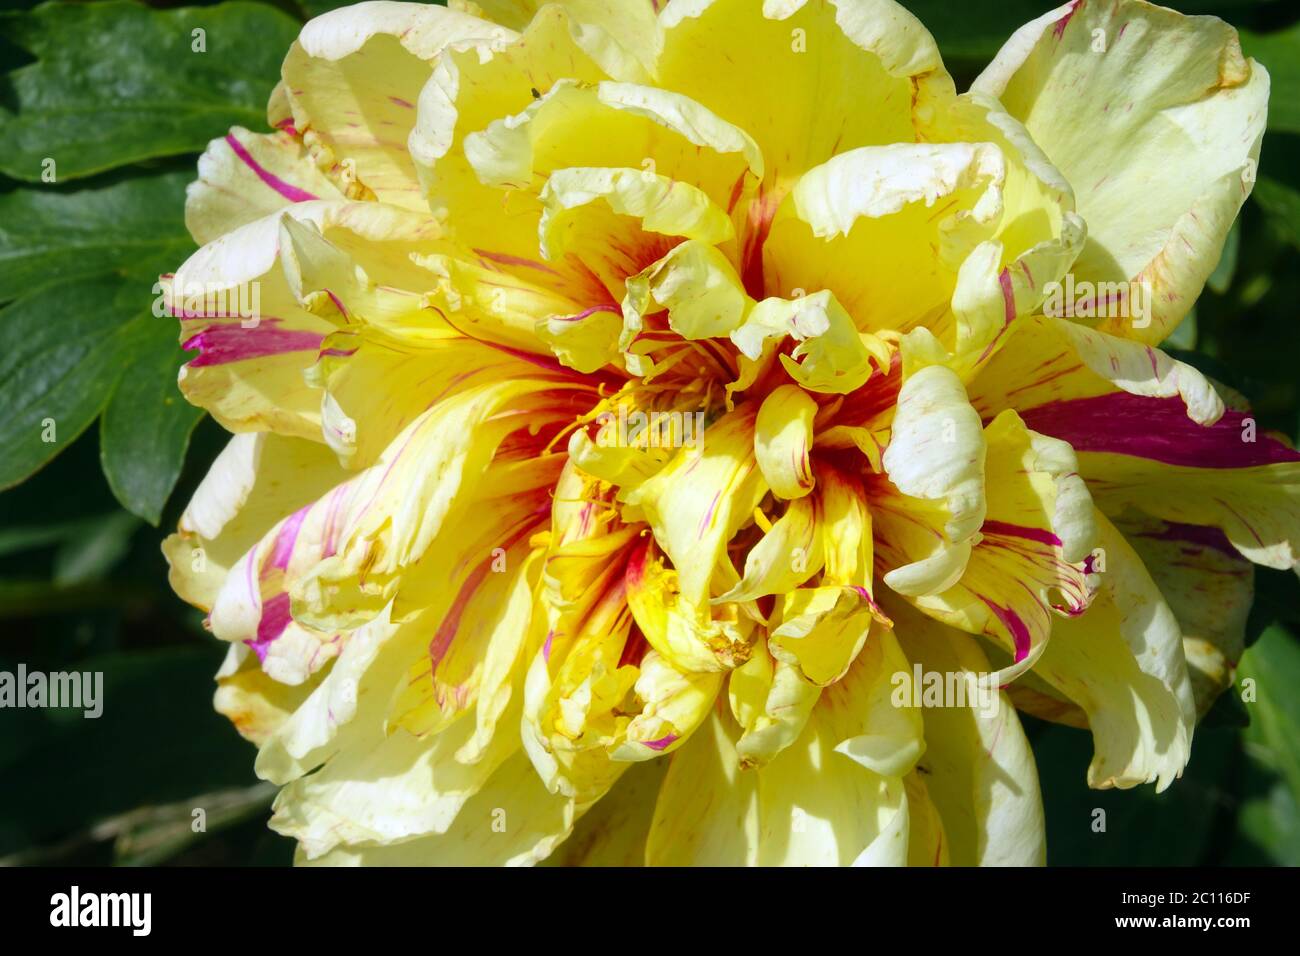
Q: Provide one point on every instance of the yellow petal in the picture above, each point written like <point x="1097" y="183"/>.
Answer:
<point x="831" y="356"/>
<point x="783" y="436"/>
<point x="786" y="556"/>
<point x="244" y="176"/>
<point x="354" y="76"/>
<point x="580" y="204"/>
<point x="885" y="227"/>
<point x="614" y="124"/>
<point x="821" y="630"/>
<point x="703" y="497"/>
<point x="847" y="539"/>
<point x="772" y="702"/>
<point x="510" y="821"/>
<point x="672" y="704"/>
<point x="698" y="287"/>
<point x="1050" y="360"/>
<point x="1210" y="589"/>
<point x="257" y="480"/>
<point x="614" y="831"/>
<point x="777" y="92"/>
<point x="725" y="831"/>
<point x="624" y="40"/>
<point x="1028" y="563"/>
<point x="693" y="638"/>
<point x="1140" y="107"/>
<point x="1122" y="661"/>
<point x="979" y="770"/>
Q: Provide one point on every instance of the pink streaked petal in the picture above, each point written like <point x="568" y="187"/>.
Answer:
<point x="287" y="190"/>
<point x="504" y="259"/>
<point x="275" y="618"/>
<point x="1204" y="536"/>
<point x="286" y="537"/>
<point x="1007" y="529"/>
<point x="1014" y="624"/>
<point x="1155" y="428"/>
<point x="223" y="344"/>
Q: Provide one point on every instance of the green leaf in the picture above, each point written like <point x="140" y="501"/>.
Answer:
<point x="56" y="377"/>
<point x="50" y="235"/>
<point x="147" y="425"/>
<point x="34" y="537"/>
<point x="26" y="598"/>
<point x="975" y="29"/>
<point x="314" y="8"/>
<point x="151" y="835"/>
<point x="1273" y="664"/>
<point x="1280" y="54"/>
<point x="118" y="82"/>
<point x="85" y="263"/>
<point x="60" y="358"/>
<point x="1268" y="820"/>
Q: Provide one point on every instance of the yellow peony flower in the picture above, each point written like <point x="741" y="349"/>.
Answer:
<point x="689" y="435"/>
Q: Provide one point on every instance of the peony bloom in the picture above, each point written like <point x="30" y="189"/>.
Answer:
<point x="653" y="420"/>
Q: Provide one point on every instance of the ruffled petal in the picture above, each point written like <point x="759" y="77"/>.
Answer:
<point x="1146" y="453"/>
<point x="258" y="479"/>
<point x="1123" y="663"/>
<point x="353" y="78"/>
<point x="244" y="176"/>
<point x="1210" y="589"/>
<point x="702" y="498"/>
<point x="1141" y="108"/>
<point x="856" y="745"/>
<point x="978" y="768"/>
<point x="1028" y="565"/>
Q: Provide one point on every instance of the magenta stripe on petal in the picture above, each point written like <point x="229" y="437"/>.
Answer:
<point x="450" y="624"/>
<point x="1008" y="296"/>
<point x="1203" y="536"/>
<point x="1012" y="622"/>
<point x="288" y="191"/>
<point x="1059" y="29"/>
<point x="663" y="743"/>
<point x="222" y="344"/>
<point x="1008" y="530"/>
<point x="502" y="258"/>
<point x="589" y="312"/>
<point x="275" y="618"/>
<point x="866" y="596"/>
<point x="708" y="515"/>
<point x="1155" y="428"/>
<point x="338" y="304"/>
<point x="287" y="537"/>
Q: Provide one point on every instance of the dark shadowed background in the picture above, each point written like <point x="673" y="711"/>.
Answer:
<point x="103" y="88"/>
